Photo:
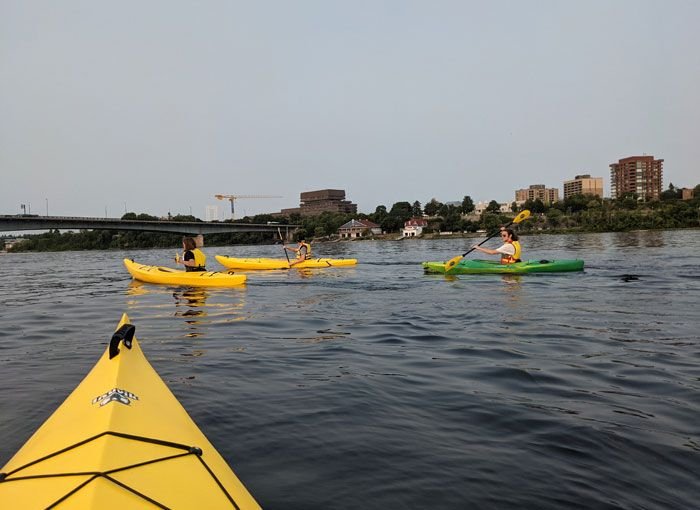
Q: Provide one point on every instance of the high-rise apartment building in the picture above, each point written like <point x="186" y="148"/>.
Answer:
<point x="583" y="185"/>
<point x="537" y="191"/>
<point x="642" y="175"/>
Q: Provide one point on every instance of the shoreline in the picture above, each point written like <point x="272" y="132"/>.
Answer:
<point x="382" y="238"/>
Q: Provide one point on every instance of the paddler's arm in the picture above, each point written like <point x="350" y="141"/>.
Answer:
<point x="181" y="260"/>
<point x="487" y="250"/>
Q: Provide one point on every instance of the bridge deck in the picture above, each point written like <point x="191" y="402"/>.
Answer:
<point x="26" y="222"/>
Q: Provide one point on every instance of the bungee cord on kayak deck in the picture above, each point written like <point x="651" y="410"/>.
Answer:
<point x="188" y="450"/>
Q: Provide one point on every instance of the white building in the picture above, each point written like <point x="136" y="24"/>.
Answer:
<point x="212" y="213"/>
<point x="480" y="207"/>
<point x="414" y="227"/>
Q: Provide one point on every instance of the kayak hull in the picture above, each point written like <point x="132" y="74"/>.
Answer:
<point x="266" y="263"/>
<point x="169" y="276"/>
<point x="469" y="266"/>
<point x="121" y="440"/>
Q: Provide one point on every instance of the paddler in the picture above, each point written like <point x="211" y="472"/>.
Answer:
<point x="192" y="257"/>
<point x="509" y="250"/>
<point x="302" y="250"/>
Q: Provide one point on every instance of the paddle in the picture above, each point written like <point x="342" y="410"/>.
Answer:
<point x="451" y="263"/>
<point x="283" y="246"/>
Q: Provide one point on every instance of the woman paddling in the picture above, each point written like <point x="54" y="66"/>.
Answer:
<point x="303" y="252"/>
<point x="509" y="250"/>
<point x="192" y="257"/>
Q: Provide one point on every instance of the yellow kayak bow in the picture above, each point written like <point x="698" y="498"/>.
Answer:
<point x="121" y="440"/>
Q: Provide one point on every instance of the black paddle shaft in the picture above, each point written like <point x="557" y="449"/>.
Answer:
<point x="487" y="239"/>
<point x="284" y="248"/>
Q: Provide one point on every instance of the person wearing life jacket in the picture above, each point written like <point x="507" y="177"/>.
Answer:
<point x="509" y="251"/>
<point x="192" y="257"/>
<point x="302" y="250"/>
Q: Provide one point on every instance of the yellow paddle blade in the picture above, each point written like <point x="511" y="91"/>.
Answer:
<point x="451" y="263"/>
<point x="522" y="216"/>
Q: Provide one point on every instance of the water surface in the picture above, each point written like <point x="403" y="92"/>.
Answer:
<point x="380" y="387"/>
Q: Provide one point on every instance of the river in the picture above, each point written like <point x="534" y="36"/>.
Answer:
<point x="380" y="387"/>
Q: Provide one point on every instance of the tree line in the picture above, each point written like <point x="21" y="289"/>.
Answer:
<point x="581" y="213"/>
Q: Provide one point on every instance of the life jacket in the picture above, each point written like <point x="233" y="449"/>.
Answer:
<point x="200" y="261"/>
<point x="512" y="259"/>
<point x="305" y="251"/>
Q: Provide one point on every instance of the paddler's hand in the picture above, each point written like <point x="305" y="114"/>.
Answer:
<point x="177" y="258"/>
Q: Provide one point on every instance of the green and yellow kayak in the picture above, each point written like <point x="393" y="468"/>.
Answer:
<point x="469" y="266"/>
<point x="120" y="440"/>
<point x="261" y="263"/>
<point x="169" y="276"/>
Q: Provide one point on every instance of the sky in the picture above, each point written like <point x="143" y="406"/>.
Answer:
<point x="156" y="106"/>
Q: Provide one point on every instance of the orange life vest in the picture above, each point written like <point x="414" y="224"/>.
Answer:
<point x="512" y="259"/>
<point x="305" y="251"/>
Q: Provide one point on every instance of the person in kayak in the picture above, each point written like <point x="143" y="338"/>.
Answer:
<point x="192" y="257"/>
<point x="509" y="250"/>
<point x="303" y="252"/>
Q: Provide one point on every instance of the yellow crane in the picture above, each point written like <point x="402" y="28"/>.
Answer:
<point x="233" y="198"/>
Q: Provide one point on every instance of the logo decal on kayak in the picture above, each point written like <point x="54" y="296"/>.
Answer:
<point x="115" y="395"/>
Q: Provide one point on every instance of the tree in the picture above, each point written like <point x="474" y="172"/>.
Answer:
<point x="493" y="207"/>
<point x="628" y="201"/>
<point x="398" y="215"/>
<point x="536" y="206"/>
<point x="467" y="204"/>
<point x="448" y="209"/>
<point x="416" y="209"/>
<point x="578" y="202"/>
<point x="148" y="217"/>
<point x="379" y="215"/>
<point x="432" y="207"/>
<point x="452" y="220"/>
<point x="491" y="222"/>
<point x="554" y="217"/>
<point x="672" y="193"/>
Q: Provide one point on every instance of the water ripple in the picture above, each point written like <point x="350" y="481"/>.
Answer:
<point x="378" y="386"/>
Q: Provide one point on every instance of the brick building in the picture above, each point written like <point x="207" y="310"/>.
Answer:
<point x="584" y="185"/>
<point x="314" y="203"/>
<point x="535" y="191"/>
<point x="642" y="175"/>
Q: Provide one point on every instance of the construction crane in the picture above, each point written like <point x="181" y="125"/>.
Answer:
<point x="233" y="198"/>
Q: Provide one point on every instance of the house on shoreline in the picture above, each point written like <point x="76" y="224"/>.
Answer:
<point x="358" y="228"/>
<point x="414" y="227"/>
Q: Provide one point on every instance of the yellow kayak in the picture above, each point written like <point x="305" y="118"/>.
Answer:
<point x="120" y="440"/>
<point x="166" y="275"/>
<point x="261" y="263"/>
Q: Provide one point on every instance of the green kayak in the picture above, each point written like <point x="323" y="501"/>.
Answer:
<point x="469" y="266"/>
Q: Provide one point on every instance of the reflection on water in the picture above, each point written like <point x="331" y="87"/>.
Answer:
<point x="304" y="272"/>
<point x="193" y="300"/>
<point x="136" y="288"/>
<point x="198" y="306"/>
<point x="639" y="238"/>
<point x="584" y="241"/>
<point x="190" y="303"/>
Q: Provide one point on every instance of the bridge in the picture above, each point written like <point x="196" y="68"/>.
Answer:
<point x="31" y="222"/>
